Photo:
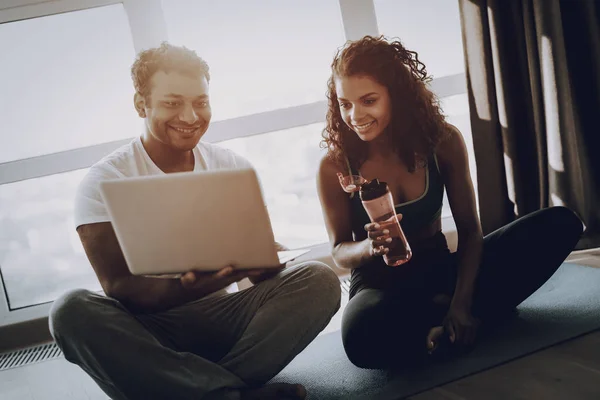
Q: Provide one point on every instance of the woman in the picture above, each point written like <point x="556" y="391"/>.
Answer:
<point x="383" y="122"/>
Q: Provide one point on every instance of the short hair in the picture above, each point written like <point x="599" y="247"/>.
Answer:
<point x="165" y="58"/>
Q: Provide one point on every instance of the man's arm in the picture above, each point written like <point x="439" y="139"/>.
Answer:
<point x="144" y="294"/>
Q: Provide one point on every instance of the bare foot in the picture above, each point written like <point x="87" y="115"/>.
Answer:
<point x="275" y="391"/>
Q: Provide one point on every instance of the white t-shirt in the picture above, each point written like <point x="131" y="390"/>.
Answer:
<point x="132" y="160"/>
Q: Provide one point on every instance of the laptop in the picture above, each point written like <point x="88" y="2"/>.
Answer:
<point x="173" y="223"/>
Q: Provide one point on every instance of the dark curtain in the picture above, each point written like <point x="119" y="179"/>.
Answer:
<point x="533" y="78"/>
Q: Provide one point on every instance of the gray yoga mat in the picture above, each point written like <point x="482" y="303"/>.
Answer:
<point x="568" y="305"/>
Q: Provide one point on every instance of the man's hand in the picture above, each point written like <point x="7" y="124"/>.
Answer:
<point x="461" y="326"/>
<point x="266" y="274"/>
<point x="210" y="282"/>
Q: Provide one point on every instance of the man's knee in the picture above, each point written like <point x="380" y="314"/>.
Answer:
<point x="68" y="312"/>
<point x="323" y="284"/>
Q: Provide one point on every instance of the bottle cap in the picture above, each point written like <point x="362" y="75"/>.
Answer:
<point x="373" y="190"/>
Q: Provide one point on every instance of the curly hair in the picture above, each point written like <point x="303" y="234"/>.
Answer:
<point x="166" y="58"/>
<point x="417" y="124"/>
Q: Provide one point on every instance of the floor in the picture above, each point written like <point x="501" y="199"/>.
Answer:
<point x="570" y="370"/>
<point x="567" y="371"/>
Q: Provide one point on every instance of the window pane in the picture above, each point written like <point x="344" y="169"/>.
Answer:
<point x="41" y="256"/>
<point x="65" y="83"/>
<point x="429" y="27"/>
<point x="262" y="55"/>
<point x="456" y="109"/>
<point x="287" y="163"/>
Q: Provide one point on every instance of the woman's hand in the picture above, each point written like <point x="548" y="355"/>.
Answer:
<point x="379" y="238"/>
<point x="434" y="338"/>
<point x="461" y="325"/>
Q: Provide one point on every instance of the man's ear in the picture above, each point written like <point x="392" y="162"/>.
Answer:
<point x="140" y="104"/>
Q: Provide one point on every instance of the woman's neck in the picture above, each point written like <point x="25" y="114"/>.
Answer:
<point x="381" y="147"/>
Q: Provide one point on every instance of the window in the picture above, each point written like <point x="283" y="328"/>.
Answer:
<point x="262" y="55"/>
<point x="432" y="29"/>
<point x="66" y="99"/>
<point x="40" y="253"/>
<point x="288" y="178"/>
<point x="65" y="82"/>
<point x="429" y="27"/>
<point x="456" y="109"/>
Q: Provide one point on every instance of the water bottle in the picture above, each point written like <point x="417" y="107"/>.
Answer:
<point x="379" y="205"/>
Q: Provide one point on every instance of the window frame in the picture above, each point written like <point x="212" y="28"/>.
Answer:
<point x="148" y="29"/>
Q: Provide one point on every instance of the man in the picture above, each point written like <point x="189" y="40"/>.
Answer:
<point x="187" y="338"/>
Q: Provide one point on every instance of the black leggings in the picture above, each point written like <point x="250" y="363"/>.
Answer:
<point x="383" y="328"/>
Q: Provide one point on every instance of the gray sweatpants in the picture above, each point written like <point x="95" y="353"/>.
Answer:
<point x="207" y="349"/>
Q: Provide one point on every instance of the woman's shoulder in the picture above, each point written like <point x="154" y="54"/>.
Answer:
<point x="329" y="165"/>
<point x="327" y="177"/>
<point x="452" y="148"/>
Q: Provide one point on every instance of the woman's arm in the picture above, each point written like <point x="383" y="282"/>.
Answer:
<point x="337" y="214"/>
<point x="454" y="166"/>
